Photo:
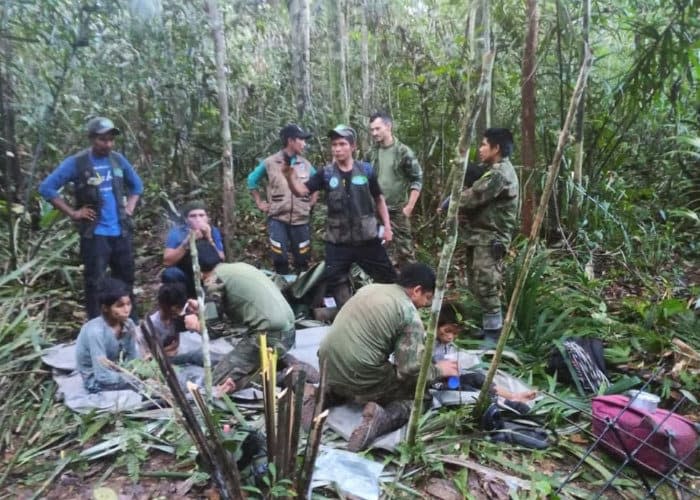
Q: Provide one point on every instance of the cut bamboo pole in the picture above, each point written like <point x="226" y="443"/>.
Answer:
<point x="225" y="478"/>
<point x="311" y="453"/>
<point x="533" y="238"/>
<point x="206" y="356"/>
<point x="448" y="247"/>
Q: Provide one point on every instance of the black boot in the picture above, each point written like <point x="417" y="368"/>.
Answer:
<point x="377" y="421"/>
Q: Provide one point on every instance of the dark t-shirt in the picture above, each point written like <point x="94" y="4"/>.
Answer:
<point x="317" y="182"/>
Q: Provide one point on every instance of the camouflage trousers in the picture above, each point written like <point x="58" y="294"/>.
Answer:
<point x="400" y="394"/>
<point x="401" y="249"/>
<point x="484" y="277"/>
<point x="243" y="362"/>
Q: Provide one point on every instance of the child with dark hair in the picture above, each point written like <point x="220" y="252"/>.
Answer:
<point x="176" y="314"/>
<point x="110" y="335"/>
<point x="444" y="348"/>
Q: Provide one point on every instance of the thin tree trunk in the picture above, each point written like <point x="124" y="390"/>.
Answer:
<point x="533" y="239"/>
<point x="578" y="132"/>
<point x="465" y="141"/>
<point x="364" y="59"/>
<point x="528" y="110"/>
<point x="300" y="20"/>
<point x="227" y="189"/>
<point x="342" y="36"/>
<point x="11" y="175"/>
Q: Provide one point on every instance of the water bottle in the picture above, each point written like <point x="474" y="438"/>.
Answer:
<point x="453" y="382"/>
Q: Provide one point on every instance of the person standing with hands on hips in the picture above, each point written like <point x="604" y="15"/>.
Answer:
<point x="288" y="215"/>
<point x="107" y="189"/>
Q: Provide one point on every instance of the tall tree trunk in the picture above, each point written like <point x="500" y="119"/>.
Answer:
<point x="528" y="107"/>
<point x="364" y="59"/>
<point x="342" y="37"/>
<point x="300" y="17"/>
<point x="227" y="186"/>
<point x="578" y="129"/>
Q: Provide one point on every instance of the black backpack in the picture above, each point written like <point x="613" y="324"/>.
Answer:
<point x="579" y="361"/>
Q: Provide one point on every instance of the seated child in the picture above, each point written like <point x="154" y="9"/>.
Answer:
<point x="448" y="329"/>
<point x="110" y="336"/>
<point x="176" y="314"/>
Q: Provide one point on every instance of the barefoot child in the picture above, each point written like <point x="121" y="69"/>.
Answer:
<point x="110" y="335"/>
<point x="448" y="329"/>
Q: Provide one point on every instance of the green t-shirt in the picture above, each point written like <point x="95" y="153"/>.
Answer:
<point x="398" y="172"/>
<point x="248" y="297"/>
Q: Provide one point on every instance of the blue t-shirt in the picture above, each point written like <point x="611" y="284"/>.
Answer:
<point x="108" y="222"/>
<point x="178" y="234"/>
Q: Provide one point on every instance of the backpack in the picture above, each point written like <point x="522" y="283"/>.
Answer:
<point x="579" y="361"/>
<point x="657" y="442"/>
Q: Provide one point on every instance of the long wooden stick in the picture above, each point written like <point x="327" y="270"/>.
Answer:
<point x="448" y="248"/>
<point x="197" y="276"/>
<point x="223" y="476"/>
<point x="483" y="400"/>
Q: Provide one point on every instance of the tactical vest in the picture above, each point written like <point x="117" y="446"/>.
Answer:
<point x="284" y="205"/>
<point x="88" y="194"/>
<point x="351" y="210"/>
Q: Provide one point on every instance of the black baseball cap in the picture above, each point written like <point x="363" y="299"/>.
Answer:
<point x="344" y="131"/>
<point x="101" y="125"/>
<point x="293" y="131"/>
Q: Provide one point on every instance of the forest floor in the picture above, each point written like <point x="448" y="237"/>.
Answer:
<point x="436" y="473"/>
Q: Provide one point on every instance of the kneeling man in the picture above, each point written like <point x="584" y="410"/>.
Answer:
<point x="381" y="320"/>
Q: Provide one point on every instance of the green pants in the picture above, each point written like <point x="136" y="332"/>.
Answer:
<point x="401" y="249"/>
<point x="243" y="362"/>
<point x="484" y="276"/>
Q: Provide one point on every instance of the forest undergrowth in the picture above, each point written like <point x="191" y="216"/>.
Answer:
<point x="620" y="294"/>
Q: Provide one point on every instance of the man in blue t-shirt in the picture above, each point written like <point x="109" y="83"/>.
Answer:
<point x="176" y="256"/>
<point x="107" y="189"/>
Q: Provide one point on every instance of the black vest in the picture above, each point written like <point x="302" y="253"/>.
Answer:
<point x="87" y="194"/>
<point x="351" y="210"/>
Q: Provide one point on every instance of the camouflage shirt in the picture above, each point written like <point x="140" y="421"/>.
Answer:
<point x="378" y="321"/>
<point x="491" y="207"/>
<point x="398" y="172"/>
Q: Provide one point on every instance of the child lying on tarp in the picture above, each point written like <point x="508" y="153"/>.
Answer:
<point x="448" y="329"/>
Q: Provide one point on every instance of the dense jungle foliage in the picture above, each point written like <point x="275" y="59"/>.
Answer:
<point x="619" y="256"/>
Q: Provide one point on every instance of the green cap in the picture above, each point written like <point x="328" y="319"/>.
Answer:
<point x="344" y="131"/>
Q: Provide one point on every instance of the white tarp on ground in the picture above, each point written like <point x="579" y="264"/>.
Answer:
<point x="342" y="419"/>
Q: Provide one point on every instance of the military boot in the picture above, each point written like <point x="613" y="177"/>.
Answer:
<point x="492" y="324"/>
<point x="377" y="421"/>
<point x="297" y="365"/>
<point x="308" y="406"/>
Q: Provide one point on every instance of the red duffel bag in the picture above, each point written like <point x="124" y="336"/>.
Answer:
<point x="671" y="437"/>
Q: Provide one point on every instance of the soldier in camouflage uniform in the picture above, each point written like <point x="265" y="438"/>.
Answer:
<point x="401" y="179"/>
<point x="491" y="208"/>
<point x="247" y="297"/>
<point x="378" y="321"/>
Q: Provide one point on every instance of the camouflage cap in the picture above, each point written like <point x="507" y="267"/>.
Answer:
<point x="344" y="131"/>
<point x="101" y="125"/>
